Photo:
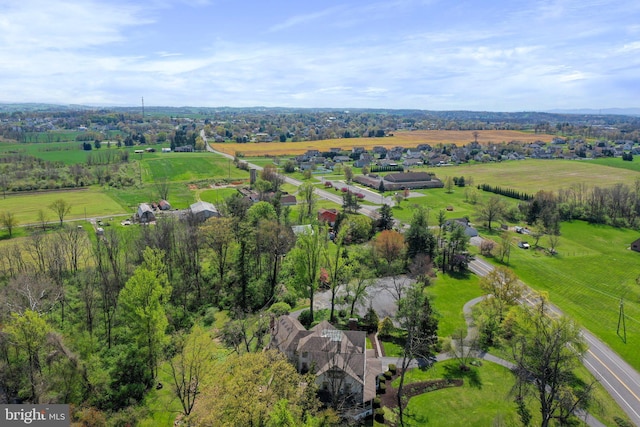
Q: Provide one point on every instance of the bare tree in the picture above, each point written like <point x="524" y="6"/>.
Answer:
<point x="162" y="187"/>
<point x="492" y="210"/>
<point x="190" y="366"/>
<point x="61" y="207"/>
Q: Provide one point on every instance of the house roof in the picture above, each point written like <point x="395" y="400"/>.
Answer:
<point x="408" y="177"/>
<point x="202" y="207"/>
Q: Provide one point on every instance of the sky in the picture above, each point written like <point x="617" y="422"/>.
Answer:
<point x="488" y="55"/>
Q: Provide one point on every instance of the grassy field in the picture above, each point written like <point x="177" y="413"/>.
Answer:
<point x="402" y="138"/>
<point x="594" y="268"/>
<point x="448" y="296"/>
<point x="180" y="196"/>
<point x="483" y="399"/>
<point x="87" y="202"/>
<point x="186" y="167"/>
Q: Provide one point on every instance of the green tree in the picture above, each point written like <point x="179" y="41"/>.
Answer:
<point x="546" y="350"/>
<point x="191" y="365"/>
<point x="336" y="262"/>
<point x="417" y="318"/>
<point x="306" y="258"/>
<point x="492" y="210"/>
<point x="8" y="221"/>
<point x="61" y="207"/>
<point x="142" y="302"/>
<point x="419" y="238"/>
<point x="246" y="389"/>
<point x="348" y="174"/>
<point x="307" y="202"/>
<point x="28" y="334"/>
<point x="385" y="222"/>
<point x="504" y="288"/>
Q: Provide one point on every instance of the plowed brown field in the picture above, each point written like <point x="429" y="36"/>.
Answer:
<point x="405" y="139"/>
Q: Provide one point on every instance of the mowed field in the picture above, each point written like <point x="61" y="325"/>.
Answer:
<point x="549" y="175"/>
<point x="402" y="138"/>
<point x="89" y="202"/>
<point x="181" y="167"/>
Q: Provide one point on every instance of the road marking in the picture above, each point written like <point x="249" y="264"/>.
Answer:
<point x="619" y="380"/>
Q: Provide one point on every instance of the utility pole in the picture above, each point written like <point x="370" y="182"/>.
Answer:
<point x="143" y="108"/>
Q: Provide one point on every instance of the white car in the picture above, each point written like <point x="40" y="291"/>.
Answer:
<point x="126" y="222"/>
<point x="524" y="245"/>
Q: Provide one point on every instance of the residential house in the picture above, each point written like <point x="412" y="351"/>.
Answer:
<point x="164" y="205"/>
<point x="328" y="215"/>
<point x="345" y="370"/>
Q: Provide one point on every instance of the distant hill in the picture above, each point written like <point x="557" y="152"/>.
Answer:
<point x="604" y="111"/>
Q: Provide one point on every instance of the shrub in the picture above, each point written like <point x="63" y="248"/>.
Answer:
<point x="280" y="308"/>
<point x="209" y="316"/>
<point x="388" y="375"/>
<point x="377" y="402"/>
<point x="305" y="318"/>
<point x="486" y="247"/>
<point x="386" y="328"/>
<point x="382" y="388"/>
<point x="371" y="320"/>
<point x="379" y="415"/>
<point x="392" y="368"/>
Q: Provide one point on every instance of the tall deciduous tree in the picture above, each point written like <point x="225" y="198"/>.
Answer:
<point x="192" y="363"/>
<point x="307" y="202"/>
<point x="492" y="210"/>
<point x="28" y="333"/>
<point x="142" y="303"/>
<point x="417" y="318"/>
<point x="504" y="287"/>
<point x="61" y="207"/>
<point x="306" y="258"/>
<point x="546" y="350"/>
<point x="338" y="268"/>
<point x="8" y="221"/>
<point x="247" y="388"/>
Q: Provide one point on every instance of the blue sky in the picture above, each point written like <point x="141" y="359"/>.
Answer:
<point x="425" y="54"/>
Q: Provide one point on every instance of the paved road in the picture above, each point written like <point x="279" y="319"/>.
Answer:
<point x="617" y="376"/>
<point x="370" y="211"/>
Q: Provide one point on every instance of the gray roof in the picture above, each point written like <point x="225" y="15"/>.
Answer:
<point x="203" y="207"/>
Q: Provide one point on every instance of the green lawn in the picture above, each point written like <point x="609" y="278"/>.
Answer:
<point x="593" y="269"/>
<point x="129" y="198"/>
<point x="481" y="401"/>
<point x="449" y="295"/>
<point x="89" y="202"/>
<point x="485" y="398"/>
<point x="187" y="167"/>
<point x="217" y="195"/>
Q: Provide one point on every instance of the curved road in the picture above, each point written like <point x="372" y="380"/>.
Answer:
<point x="617" y="376"/>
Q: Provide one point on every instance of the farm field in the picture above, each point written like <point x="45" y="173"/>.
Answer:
<point x="92" y="202"/>
<point x="594" y="268"/>
<point x="403" y="138"/>
<point x="533" y="175"/>
<point x="181" y="167"/>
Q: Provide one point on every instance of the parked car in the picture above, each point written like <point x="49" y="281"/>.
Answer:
<point x="524" y="245"/>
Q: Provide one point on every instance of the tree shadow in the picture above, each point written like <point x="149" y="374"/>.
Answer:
<point x="456" y="371"/>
